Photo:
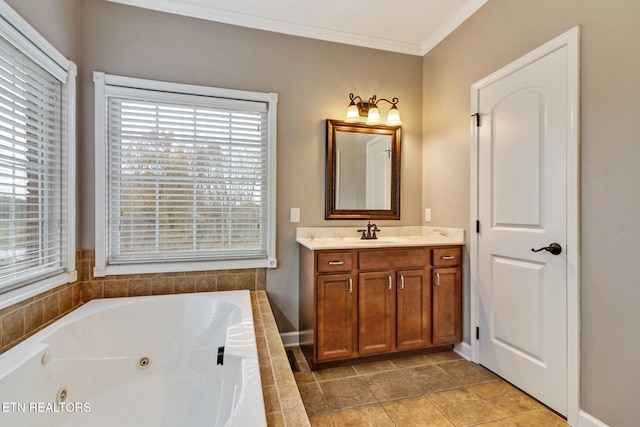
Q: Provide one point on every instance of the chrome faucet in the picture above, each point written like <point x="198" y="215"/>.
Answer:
<point x="367" y="234"/>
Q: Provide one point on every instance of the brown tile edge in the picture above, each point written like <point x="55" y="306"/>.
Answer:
<point x="291" y="407"/>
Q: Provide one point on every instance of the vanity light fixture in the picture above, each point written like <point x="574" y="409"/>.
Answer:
<point x="359" y="108"/>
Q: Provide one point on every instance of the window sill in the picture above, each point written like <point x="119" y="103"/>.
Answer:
<point x="25" y="292"/>
<point x="179" y="267"/>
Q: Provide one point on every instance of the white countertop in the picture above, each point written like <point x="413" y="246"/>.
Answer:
<point x="318" y="238"/>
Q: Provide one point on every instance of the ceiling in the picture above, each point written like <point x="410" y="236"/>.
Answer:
<point x="406" y="26"/>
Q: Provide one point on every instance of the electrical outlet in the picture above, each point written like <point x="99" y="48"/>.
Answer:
<point x="295" y="214"/>
<point x="427" y="215"/>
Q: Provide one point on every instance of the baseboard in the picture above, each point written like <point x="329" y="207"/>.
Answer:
<point x="290" y="339"/>
<point x="463" y="349"/>
<point x="586" y="420"/>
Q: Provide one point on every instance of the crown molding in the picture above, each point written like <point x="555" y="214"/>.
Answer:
<point x="273" y="25"/>
<point x="217" y="15"/>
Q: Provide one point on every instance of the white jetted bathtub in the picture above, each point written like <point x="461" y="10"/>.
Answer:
<point x="169" y="360"/>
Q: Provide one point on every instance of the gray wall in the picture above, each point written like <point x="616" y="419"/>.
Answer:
<point x="500" y="32"/>
<point x="55" y="20"/>
<point x="312" y="78"/>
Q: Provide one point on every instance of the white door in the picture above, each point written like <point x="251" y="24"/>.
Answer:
<point x="525" y="123"/>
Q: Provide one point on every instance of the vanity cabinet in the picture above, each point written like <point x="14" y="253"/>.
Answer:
<point x="413" y="320"/>
<point x="331" y="309"/>
<point x="365" y="302"/>
<point x="447" y="296"/>
<point x="376" y="313"/>
<point x="336" y="313"/>
<point x="393" y="300"/>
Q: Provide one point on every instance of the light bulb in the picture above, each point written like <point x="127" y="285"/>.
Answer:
<point x="374" y="115"/>
<point x="353" y="115"/>
<point x="393" y="118"/>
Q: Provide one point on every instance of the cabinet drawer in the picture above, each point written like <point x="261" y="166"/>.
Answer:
<point x="385" y="259"/>
<point x="329" y="262"/>
<point x="446" y="257"/>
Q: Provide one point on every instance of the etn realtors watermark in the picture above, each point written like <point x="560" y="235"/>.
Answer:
<point x="45" y="407"/>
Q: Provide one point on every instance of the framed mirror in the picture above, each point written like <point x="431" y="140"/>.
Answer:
<point x="363" y="171"/>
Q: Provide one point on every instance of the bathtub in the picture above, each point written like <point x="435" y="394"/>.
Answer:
<point x="169" y="360"/>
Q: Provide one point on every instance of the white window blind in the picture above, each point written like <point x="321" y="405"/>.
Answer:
<point x="187" y="177"/>
<point x="32" y="165"/>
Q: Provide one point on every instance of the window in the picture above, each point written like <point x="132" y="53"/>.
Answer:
<point x="186" y="177"/>
<point x="37" y="163"/>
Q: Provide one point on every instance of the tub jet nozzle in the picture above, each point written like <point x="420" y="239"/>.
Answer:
<point x="144" y="362"/>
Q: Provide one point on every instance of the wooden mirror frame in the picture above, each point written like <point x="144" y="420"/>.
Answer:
<point x="331" y="211"/>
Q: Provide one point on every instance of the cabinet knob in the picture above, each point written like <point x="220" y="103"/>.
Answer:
<point x="401" y="282"/>
<point x="437" y="279"/>
<point x="336" y="262"/>
<point x="350" y="285"/>
<point x="448" y="257"/>
<point x="389" y="288"/>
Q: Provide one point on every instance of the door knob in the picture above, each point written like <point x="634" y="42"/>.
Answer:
<point x="554" y="248"/>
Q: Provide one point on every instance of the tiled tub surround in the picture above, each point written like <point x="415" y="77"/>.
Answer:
<point x="21" y="320"/>
<point x="282" y="401"/>
<point x="111" y="351"/>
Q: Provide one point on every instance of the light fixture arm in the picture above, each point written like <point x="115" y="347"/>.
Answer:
<point x="393" y="101"/>
<point x="353" y="98"/>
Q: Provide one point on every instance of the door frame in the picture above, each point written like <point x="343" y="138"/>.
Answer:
<point x="570" y="39"/>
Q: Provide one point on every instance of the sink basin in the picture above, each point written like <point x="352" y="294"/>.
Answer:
<point x="378" y="241"/>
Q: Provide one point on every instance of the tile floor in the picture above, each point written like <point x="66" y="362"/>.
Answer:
<point x="434" y="390"/>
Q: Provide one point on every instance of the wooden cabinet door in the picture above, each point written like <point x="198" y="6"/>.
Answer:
<point x="414" y="309"/>
<point x="336" y="317"/>
<point x="376" y="312"/>
<point x="447" y="305"/>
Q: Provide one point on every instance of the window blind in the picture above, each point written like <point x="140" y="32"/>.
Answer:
<point x="187" y="178"/>
<point x="32" y="200"/>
